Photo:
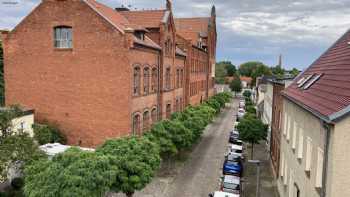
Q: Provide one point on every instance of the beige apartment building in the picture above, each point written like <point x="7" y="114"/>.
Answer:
<point x="315" y="138"/>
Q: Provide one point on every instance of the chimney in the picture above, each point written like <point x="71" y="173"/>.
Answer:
<point x="213" y="11"/>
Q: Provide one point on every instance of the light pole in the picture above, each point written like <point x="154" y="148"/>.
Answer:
<point x="257" y="162"/>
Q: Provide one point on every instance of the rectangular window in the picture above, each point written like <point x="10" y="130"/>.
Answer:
<point x="63" y="37"/>
<point x="300" y="144"/>
<point x="294" y="140"/>
<point x="319" y="170"/>
<point x="308" y="154"/>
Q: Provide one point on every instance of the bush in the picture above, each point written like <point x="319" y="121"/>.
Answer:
<point x="247" y="93"/>
<point x="251" y="109"/>
<point x="45" y="134"/>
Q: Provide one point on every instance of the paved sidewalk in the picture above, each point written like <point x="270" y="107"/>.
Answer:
<point x="268" y="186"/>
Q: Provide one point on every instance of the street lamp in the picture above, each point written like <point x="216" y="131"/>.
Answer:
<point x="257" y="162"/>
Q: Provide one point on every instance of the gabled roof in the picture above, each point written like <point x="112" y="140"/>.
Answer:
<point x="146" y="18"/>
<point x="120" y="22"/>
<point x="192" y="28"/>
<point x="180" y="52"/>
<point x="329" y="96"/>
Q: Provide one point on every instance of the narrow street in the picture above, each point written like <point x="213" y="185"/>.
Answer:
<point x="199" y="174"/>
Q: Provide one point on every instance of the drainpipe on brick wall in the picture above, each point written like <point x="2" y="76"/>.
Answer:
<point x="325" y="158"/>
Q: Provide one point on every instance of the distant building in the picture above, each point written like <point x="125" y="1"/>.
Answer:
<point x="22" y="123"/>
<point x="246" y="82"/>
<point x="315" y="151"/>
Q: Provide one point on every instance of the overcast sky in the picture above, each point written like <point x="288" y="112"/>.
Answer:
<point x="247" y="29"/>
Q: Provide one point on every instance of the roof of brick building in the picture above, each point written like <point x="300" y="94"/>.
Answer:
<point x="192" y="28"/>
<point x="120" y="22"/>
<point x="325" y="90"/>
<point x="146" y="18"/>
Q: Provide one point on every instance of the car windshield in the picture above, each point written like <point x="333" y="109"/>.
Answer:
<point x="237" y="151"/>
<point x="241" y="111"/>
<point x="232" y="163"/>
<point x="231" y="186"/>
<point x="238" y="143"/>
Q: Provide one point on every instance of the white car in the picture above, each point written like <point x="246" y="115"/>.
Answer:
<point x="242" y="104"/>
<point x="223" y="194"/>
<point x="240" y="113"/>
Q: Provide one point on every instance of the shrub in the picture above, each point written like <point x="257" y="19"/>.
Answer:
<point x="45" y="134"/>
<point x="251" y="109"/>
<point x="247" y="93"/>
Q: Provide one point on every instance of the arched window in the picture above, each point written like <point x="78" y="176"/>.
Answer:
<point x="146" y="77"/>
<point x="168" y="79"/>
<point x="136" y="125"/>
<point x="177" y="78"/>
<point x="63" y="37"/>
<point x="146" y="120"/>
<point x="137" y="80"/>
<point x="168" y="111"/>
<point x="154" y="115"/>
<point x="181" y="77"/>
<point x="154" y="85"/>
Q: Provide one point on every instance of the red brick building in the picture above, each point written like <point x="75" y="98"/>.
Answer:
<point x="95" y="71"/>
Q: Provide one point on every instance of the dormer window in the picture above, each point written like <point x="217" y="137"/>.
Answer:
<point x="63" y="37"/>
<point x="140" y="35"/>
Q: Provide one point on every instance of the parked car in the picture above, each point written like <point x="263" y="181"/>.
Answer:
<point x="240" y="113"/>
<point x="232" y="166"/>
<point x="241" y="104"/>
<point x="237" y="142"/>
<point x="231" y="184"/>
<point x="235" y="149"/>
<point x="223" y="194"/>
<point x="234" y="135"/>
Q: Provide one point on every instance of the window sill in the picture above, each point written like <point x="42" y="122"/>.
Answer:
<point x="63" y="49"/>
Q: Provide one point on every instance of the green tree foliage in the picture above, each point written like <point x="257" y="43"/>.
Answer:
<point x="251" y="109"/>
<point x="247" y="69"/>
<point x="181" y="136"/>
<point x="230" y="69"/>
<point x="137" y="158"/>
<point x="259" y="71"/>
<point x="278" y="71"/>
<point x="294" y="72"/>
<point x="159" y="135"/>
<point x="2" y="81"/>
<point x="236" y="85"/>
<point x="45" y="134"/>
<point x="252" y="130"/>
<point x="16" y="148"/>
<point x="247" y="94"/>
<point x="73" y="173"/>
<point x="224" y="69"/>
<point x="6" y="124"/>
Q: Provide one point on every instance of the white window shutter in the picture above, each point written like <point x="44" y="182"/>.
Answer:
<point x="300" y="143"/>
<point x="289" y="127"/>
<point x="294" y="140"/>
<point x="308" y="154"/>
<point x="282" y="165"/>
<point x="319" y="169"/>
<point x="291" y="182"/>
<point x="285" y="124"/>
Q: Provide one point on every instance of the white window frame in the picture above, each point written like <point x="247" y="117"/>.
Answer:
<point x="63" y="37"/>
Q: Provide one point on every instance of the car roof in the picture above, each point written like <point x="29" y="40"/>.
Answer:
<point x="224" y="194"/>
<point x="236" y="147"/>
<point x="232" y="156"/>
<point x="232" y="179"/>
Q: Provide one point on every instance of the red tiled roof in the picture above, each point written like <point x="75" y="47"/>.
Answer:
<point x="190" y="28"/>
<point x="331" y="93"/>
<point x="246" y="79"/>
<point x="145" y="18"/>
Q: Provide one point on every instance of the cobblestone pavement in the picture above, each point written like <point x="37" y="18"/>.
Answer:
<point x="199" y="174"/>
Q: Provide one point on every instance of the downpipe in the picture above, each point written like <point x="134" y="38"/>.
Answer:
<point x="325" y="158"/>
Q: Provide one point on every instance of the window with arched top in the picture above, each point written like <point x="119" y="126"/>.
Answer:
<point x="168" y="79"/>
<point x="63" y="37"/>
<point x="154" y="115"/>
<point x="181" y="78"/>
<point x="136" y="124"/>
<point x="146" y="79"/>
<point x="146" y="121"/>
<point x="154" y="85"/>
<point x="168" y="111"/>
<point x="137" y="81"/>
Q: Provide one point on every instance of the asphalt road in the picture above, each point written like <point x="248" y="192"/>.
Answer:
<point x="201" y="172"/>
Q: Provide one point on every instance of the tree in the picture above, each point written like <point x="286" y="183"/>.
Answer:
<point x="73" y="173"/>
<point x="236" y="85"/>
<point x="246" y="69"/>
<point x="45" y="134"/>
<point x="17" y="150"/>
<point x="137" y="158"/>
<point x="247" y="93"/>
<point x="252" y="130"/>
<point x="278" y="71"/>
<point x="180" y="135"/>
<point x="295" y="72"/>
<point x="6" y="117"/>
<point x="230" y="69"/>
<point x="220" y="73"/>
<point x="259" y="71"/>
